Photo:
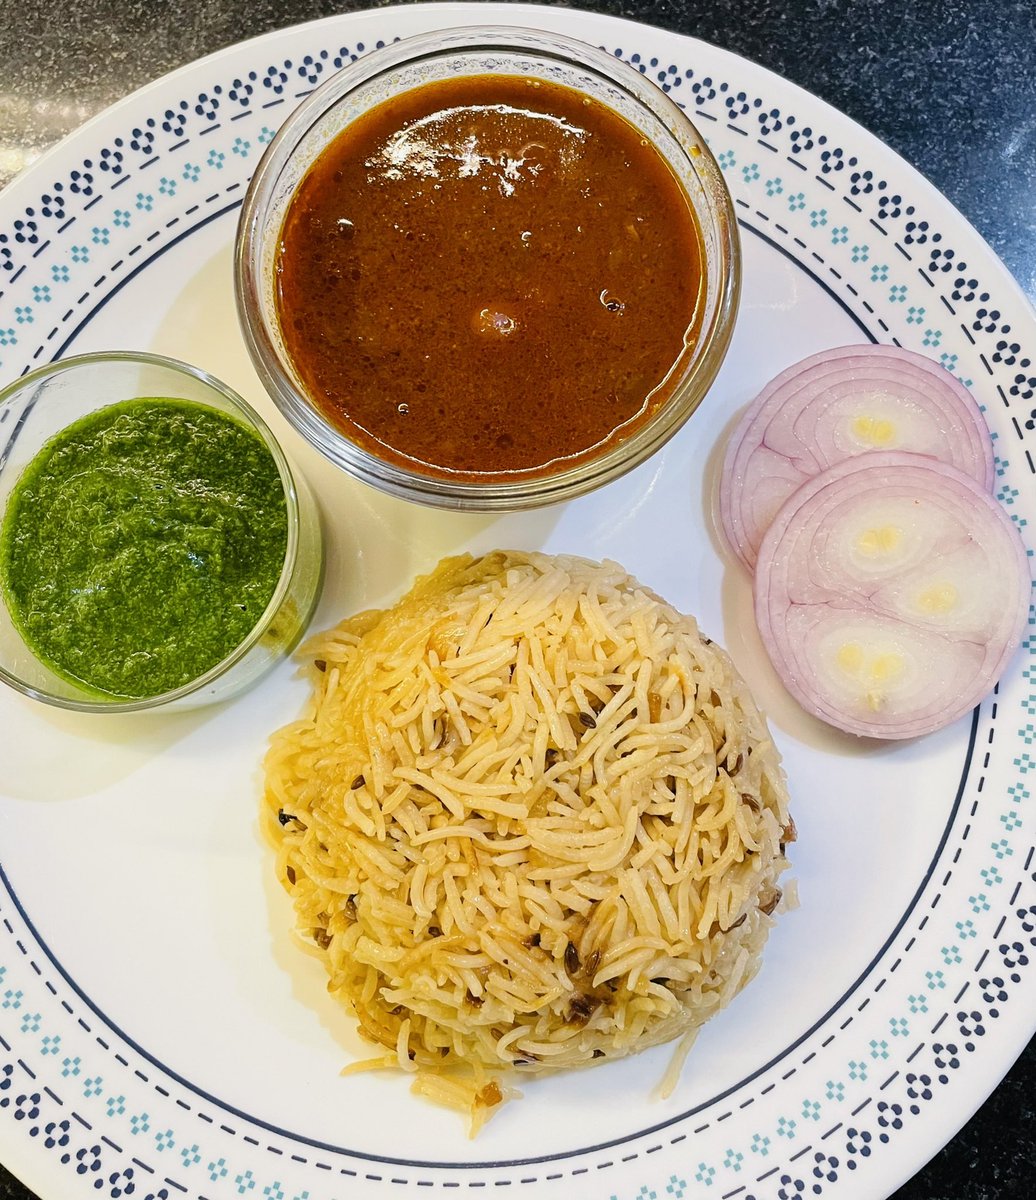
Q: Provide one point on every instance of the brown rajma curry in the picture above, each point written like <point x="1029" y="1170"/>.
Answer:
<point x="489" y="275"/>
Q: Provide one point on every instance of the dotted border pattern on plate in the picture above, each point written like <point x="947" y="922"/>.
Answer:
<point x="194" y="139"/>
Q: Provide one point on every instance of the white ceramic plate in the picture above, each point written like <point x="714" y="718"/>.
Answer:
<point x="159" y="1036"/>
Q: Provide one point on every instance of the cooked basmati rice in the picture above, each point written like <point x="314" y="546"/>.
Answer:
<point x="531" y="819"/>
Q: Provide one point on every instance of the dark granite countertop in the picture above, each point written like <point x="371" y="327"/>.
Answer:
<point x="949" y="84"/>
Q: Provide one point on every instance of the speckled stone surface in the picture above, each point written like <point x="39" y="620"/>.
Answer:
<point x="949" y="84"/>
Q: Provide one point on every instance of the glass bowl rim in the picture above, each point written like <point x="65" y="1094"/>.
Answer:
<point x="254" y="421"/>
<point x="498" y="493"/>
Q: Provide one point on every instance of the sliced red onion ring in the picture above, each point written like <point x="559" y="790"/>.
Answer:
<point x="834" y="405"/>
<point x="891" y="590"/>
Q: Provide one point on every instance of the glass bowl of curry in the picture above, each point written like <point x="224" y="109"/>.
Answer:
<point x="156" y="547"/>
<point x="487" y="268"/>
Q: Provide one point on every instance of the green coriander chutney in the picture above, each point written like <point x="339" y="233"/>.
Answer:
<point x="142" y="544"/>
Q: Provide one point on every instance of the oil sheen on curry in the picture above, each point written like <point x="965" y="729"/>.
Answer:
<point x="489" y="276"/>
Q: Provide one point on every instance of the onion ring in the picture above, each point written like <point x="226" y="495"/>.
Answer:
<point x="890" y="592"/>
<point x="832" y="406"/>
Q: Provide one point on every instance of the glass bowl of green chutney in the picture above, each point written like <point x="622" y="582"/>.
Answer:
<point x="157" y="549"/>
